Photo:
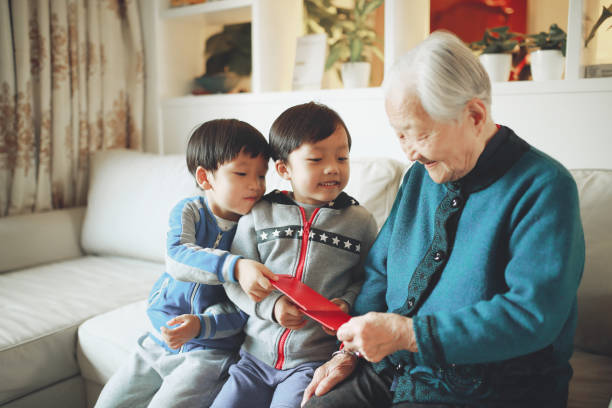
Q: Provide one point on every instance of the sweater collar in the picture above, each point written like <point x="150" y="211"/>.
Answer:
<point x="501" y="152"/>
<point x="282" y="197"/>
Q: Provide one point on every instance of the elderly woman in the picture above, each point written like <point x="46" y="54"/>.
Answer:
<point x="470" y="292"/>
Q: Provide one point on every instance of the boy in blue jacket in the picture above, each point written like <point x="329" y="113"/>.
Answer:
<point x="183" y="360"/>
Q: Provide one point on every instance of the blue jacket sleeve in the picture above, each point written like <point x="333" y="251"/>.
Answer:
<point x="221" y="320"/>
<point x="546" y="247"/>
<point x="185" y="259"/>
<point x="372" y="295"/>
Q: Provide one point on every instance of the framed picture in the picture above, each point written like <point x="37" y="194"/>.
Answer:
<point x="309" y="62"/>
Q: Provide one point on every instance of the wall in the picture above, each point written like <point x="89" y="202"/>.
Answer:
<point x="542" y="13"/>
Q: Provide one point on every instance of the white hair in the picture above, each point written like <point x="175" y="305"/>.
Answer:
<point x="444" y="74"/>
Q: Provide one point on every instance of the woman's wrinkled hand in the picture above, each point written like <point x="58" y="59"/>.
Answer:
<point x="329" y="374"/>
<point x="376" y="335"/>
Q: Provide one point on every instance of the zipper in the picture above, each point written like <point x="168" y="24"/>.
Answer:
<point x="216" y="244"/>
<point x="298" y="275"/>
<point x="197" y="285"/>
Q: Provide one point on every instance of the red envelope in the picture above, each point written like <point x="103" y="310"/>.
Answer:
<point x="312" y="303"/>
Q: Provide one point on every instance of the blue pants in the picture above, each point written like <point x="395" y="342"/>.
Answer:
<point x="254" y="384"/>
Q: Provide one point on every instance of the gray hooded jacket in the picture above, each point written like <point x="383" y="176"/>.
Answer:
<point x="326" y="252"/>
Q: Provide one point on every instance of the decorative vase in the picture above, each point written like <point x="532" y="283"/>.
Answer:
<point x="497" y="66"/>
<point x="547" y="65"/>
<point x="356" y="74"/>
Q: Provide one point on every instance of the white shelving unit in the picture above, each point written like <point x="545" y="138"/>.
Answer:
<point x="179" y="36"/>
<point x="276" y="24"/>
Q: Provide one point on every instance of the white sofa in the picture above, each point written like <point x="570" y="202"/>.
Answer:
<point x="73" y="282"/>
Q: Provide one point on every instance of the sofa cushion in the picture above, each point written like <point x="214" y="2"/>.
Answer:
<point x="374" y="183"/>
<point x="105" y="341"/>
<point x="594" y="330"/>
<point x="43" y="306"/>
<point x="130" y="197"/>
<point x="58" y="240"/>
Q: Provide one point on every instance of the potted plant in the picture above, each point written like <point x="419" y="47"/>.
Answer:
<point x="548" y="61"/>
<point x="495" y="50"/>
<point x="351" y="37"/>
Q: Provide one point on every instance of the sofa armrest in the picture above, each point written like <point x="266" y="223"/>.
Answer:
<point x="34" y="239"/>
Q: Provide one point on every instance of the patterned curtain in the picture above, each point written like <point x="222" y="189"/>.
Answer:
<point x="71" y="83"/>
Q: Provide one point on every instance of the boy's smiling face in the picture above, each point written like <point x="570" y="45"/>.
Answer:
<point x="234" y="188"/>
<point x="318" y="171"/>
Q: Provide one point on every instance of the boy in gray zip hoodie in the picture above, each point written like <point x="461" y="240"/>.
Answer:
<point x="316" y="233"/>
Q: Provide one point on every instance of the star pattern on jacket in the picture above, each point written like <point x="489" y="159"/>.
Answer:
<point x="315" y="235"/>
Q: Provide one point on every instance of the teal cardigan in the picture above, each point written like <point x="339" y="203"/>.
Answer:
<point x="488" y="268"/>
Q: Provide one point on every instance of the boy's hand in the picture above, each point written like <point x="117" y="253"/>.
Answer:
<point x="189" y="327"/>
<point x="287" y="314"/>
<point x="254" y="278"/>
<point x="343" y="306"/>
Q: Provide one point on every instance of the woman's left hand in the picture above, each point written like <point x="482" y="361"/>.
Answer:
<point x="376" y="335"/>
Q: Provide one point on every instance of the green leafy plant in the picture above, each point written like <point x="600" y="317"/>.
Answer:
<point x="497" y="40"/>
<point x="350" y="33"/>
<point x="606" y="13"/>
<point x="554" y="39"/>
<point x="228" y="59"/>
<point x="230" y="50"/>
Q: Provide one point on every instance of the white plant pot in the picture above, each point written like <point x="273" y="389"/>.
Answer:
<point x="356" y="74"/>
<point x="547" y="65"/>
<point x="497" y="66"/>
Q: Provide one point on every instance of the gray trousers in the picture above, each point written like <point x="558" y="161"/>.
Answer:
<point x="152" y="377"/>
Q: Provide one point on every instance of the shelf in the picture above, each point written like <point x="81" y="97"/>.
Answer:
<point x="218" y="12"/>
<point x="267" y="97"/>
<point x="498" y="88"/>
<point x="552" y="87"/>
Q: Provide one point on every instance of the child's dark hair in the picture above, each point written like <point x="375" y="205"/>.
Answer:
<point x="218" y="141"/>
<point x="306" y="123"/>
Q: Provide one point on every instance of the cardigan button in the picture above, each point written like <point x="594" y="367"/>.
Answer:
<point x="438" y="256"/>
<point x="456" y="202"/>
<point x="411" y="302"/>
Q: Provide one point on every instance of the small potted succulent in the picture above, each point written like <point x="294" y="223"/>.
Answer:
<point x="351" y="36"/>
<point x="495" y="50"/>
<point x="548" y="60"/>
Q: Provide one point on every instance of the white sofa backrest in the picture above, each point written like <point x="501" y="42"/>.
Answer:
<point x="594" y="331"/>
<point x="130" y="197"/>
<point x="132" y="193"/>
